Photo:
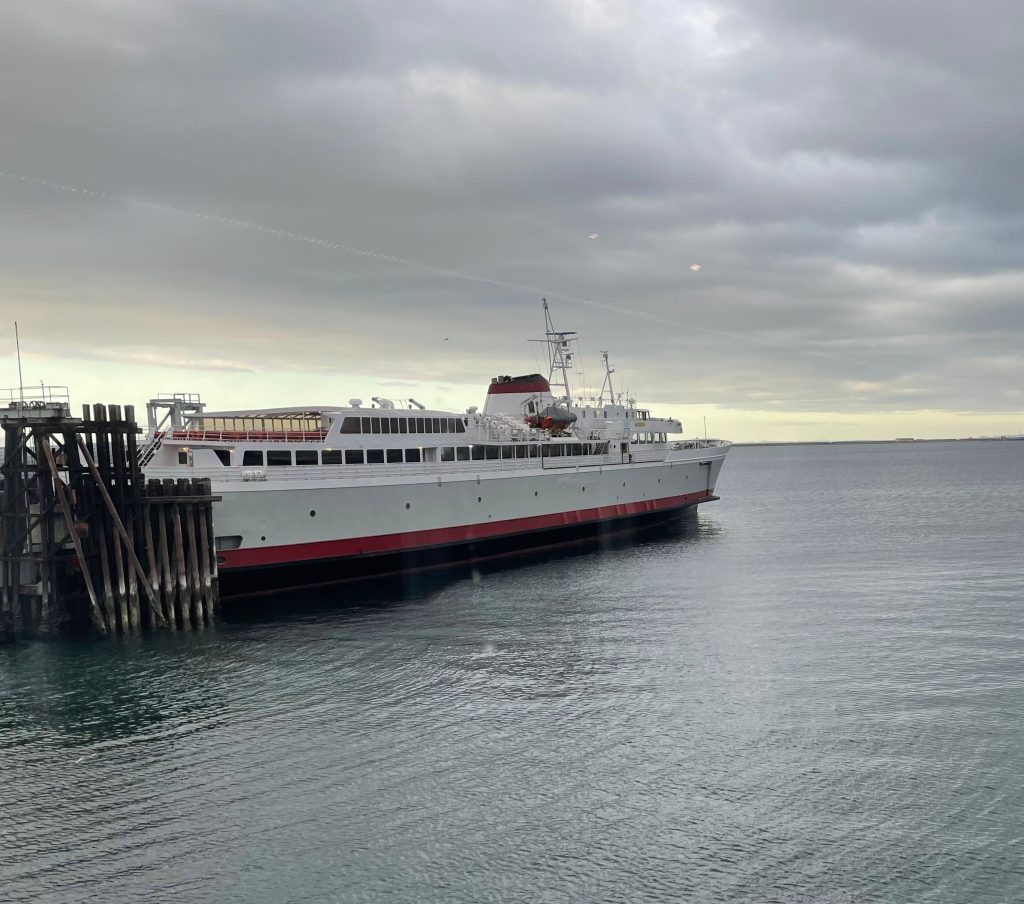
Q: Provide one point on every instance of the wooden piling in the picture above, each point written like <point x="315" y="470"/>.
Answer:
<point x="84" y="537"/>
<point x="145" y="515"/>
<point x="202" y="488"/>
<point x="108" y="585"/>
<point x="160" y="515"/>
<point x="184" y="591"/>
<point x="94" y="608"/>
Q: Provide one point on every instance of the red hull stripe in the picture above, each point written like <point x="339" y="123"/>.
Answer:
<point x="523" y="386"/>
<point x="443" y="536"/>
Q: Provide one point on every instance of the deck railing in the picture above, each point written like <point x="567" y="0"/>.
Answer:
<point x="35" y="396"/>
<point x="299" y="473"/>
<point x="258" y="436"/>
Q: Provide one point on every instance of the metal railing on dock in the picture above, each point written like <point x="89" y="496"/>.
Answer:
<point x="85" y="540"/>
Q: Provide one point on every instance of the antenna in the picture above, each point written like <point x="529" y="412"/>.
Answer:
<point x="705" y="428"/>
<point x="17" y="345"/>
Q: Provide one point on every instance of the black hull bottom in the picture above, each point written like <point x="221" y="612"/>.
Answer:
<point x="240" y="584"/>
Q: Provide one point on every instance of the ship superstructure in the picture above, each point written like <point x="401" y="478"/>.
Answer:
<point x="322" y="493"/>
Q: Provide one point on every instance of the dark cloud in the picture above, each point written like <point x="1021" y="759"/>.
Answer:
<point x="846" y="174"/>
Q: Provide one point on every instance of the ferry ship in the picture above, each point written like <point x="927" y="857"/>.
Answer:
<point x="322" y="494"/>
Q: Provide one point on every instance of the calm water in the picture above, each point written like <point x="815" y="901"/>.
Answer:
<point x="812" y="693"/>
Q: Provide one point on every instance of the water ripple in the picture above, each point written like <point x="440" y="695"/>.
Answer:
<point x="811" y="693"/>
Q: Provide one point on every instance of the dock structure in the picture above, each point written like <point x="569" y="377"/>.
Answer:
<point x="87" y="542"/>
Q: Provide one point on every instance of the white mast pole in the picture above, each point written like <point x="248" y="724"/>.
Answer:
<point x="17" y="345"/>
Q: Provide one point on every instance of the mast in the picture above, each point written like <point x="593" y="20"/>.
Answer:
<point x="608" y="371"/>
<point x="21" y="382"/>
<point x="559" y="355"/>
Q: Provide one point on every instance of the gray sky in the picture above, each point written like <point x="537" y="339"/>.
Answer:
<point x="848" y="176"/>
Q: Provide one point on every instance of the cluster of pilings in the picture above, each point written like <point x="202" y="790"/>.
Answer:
<point x="85" y="539"/>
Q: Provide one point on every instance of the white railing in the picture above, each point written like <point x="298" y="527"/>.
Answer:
<point x="35" y="396"/>
<point x="150" y="447"/>
<point x="436" y="469"/>
<point x="242" y="436"/>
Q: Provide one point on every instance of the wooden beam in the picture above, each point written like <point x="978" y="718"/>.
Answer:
<point x="154" y="605"/>
<point x="58" y="484"/>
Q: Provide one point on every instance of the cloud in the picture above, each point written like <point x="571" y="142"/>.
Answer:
<point x="846" y="175"/>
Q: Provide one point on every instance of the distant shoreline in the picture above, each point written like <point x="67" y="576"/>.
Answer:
<point x="877" y="442"/>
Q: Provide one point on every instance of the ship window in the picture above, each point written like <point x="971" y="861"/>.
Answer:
<point x="532" y="408"/>
<point x="577" y="449"/>
<point x="183" y="458"/>
<point x="534" y="450"/>
<point x="460" y="425"/>
<point x="251" y="457"/>
<point x="493" y="452"/>
<point x="375" y="456"/>
<point x="436" y="421"/>
<point x="477" y="453"/>
<point x="306" y="457"/>
<point x="412" y="455"/>
<point x="332" y="456"/>
<point x="364" y="425"/>
<point x="416" y="425"/>
<point x="462" y="453"/>
<point x="521" y="451"/>
<point x="224" y="455"/>
<point x="385" y="425"/>
<point x="394" y="456"/>
<point x="394" y="424"/>
<point x="276" y="457"/>
<point x="451" y="424"/>
<point x="353" y="456"/>
<point x="447" y="453"/>
<point x="403" y="425"/>
<point x="375" y="425"/>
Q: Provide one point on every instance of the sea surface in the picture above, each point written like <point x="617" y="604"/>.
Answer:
<point x="812" y="692"/>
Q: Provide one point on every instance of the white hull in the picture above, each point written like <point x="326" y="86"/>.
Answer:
<point x="323" y="514"/>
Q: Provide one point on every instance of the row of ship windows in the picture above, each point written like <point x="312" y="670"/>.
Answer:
<point x="390" y="425"/>
<point x="252" y="458"/>
<point x="643" y="438"/>
<point x="255" y="424"/>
